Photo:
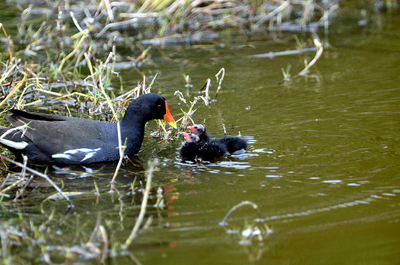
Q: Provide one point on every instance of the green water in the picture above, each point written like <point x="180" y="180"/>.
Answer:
<point x="322" y="163"/>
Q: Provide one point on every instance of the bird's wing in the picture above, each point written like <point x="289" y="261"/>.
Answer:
<point x="53" y="136"/>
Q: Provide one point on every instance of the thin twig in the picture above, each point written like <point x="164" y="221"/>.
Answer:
<point x="284" y="53"/>
<point x="21" y="191"/>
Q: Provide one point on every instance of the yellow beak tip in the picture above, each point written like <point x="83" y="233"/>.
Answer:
<point x="173" y="124"/>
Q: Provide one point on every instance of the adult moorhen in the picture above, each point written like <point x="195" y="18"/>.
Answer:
<point x="232" y="144"/>
<point x="65" y="140"/>
<point x="195" y="149"/>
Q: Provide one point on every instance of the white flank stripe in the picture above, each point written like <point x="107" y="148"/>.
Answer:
<point x="61" y="156"/>
<point x="15" y="145"/>
<point x="69" y="154"/>
<point x="89" y="155"/>
<point x="74" y="151"/>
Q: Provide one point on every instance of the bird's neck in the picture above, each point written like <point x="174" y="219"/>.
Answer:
<point x="133" y="134"/>
<point x="134" y="117"/>
<point x="132" y="128"/>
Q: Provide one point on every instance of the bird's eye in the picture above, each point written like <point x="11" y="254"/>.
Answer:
<point x="159" y="106"/>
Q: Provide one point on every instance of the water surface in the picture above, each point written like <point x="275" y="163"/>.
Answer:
<point x="322" y="164"/>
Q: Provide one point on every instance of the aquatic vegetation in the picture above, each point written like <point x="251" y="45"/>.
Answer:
<point x="23" y="241"/>
<point x="168" y="19"/>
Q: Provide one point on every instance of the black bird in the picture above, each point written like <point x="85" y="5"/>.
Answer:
<point x="64" y="140"/>
<point x="194" y="149"/>
<point x="190" y="148"/>
<point x="200" y="130"/>
<point x="232" y="144"/>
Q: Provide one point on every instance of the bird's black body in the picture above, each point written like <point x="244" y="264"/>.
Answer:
<point x="189" y="151"/>
<point x="194" y="149"/>
<point x="232" y="144"/>
<point x="211" y="150"/>
<point x="67" y="140"/>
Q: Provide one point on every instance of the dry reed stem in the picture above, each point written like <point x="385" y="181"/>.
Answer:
<point x="5" y="180"/>
<point x="103" y="233"/>
<point x="109" y="11"/>
<point x="8" y="72"/>
<point x="221" y="71"/>
<point x="111" y="107"/>
<point x="207" y="97"/>
<point x="10" y="46"/>
<point x="237" y="206"/>
<point x="11" y="186"/>
<point x="181" y="97"/>
<point x="96" y="229"/>
<point x="25" y="158"/>
<point x="318" y="54"/>
<point x="121" y="153"/>
<point x="273" y="13"/>
<point x="116" y="24"/>
<point x="77" y="24"/>
<point x="99" y="87"/>
<point x="253" y="227"/>
<point x="4" y="244"/>
<point x="22" y="128"/>
<point x="134" y="233"/>
<point x="83" y="38"/>
<point x="21" y="191"/>
<point x="284" y="53"/>
<point x="15" y="89"/>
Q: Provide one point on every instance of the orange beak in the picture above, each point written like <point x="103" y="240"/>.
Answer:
<point x="168" y="117"/>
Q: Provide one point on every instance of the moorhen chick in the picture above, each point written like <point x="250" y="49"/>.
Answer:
<point x="190" y="147"/>
<point x="195" y="149"/>
<point x="232" y="144"/>
<point x="67" y="140"/>
<point x="200" y="130"/>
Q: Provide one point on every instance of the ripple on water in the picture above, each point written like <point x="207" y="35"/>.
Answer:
<point x="353" y="184"/>
<point x="219" y="164"/>
<point x="232" y="164"/>
<point x="323" y="209"/>
<point x="334" y="181"/>
<point x="273" y="176"/>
